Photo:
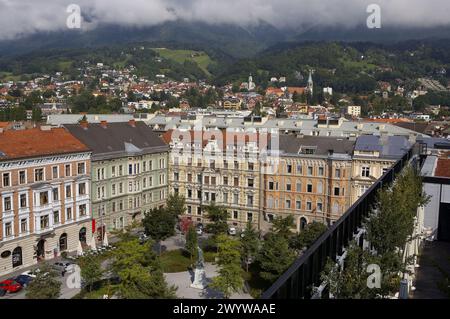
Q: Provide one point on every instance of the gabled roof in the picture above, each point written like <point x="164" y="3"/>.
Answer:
<point x="112" y="140"/>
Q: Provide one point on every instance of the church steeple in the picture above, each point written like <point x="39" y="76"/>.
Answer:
<point x="310" y="83"/>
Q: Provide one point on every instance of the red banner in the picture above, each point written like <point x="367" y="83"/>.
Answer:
<point x="93" y="225"/>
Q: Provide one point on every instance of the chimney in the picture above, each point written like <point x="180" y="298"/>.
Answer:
<point x="84" y="124"/>
<point x="104" y="124"/>
<point x="132" y="123"/>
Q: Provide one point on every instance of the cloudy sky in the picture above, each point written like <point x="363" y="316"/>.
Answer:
<point x="24" y="17"/>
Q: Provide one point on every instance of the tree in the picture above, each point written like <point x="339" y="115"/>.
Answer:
<point x="139" y="271"/>
<point x="308" y="235"/>
<point x="45" y="285"/>
<point x="191" y="242"/>
<point x="275" y="256"/>
<point x="249" y="245"/>
<point x="159" y="224"/>
<point x="176" y="204"/>
<point x="218" y="216"/>
<point x="229" y="277"/>
<point x="91" y="271"/>
<point x="36" y="114"/>
<point x="282" y="226"/>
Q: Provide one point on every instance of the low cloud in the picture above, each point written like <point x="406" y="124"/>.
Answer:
<point x="25" y="17"/>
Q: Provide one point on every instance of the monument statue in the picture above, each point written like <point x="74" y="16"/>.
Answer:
<point x="199" y="275"/>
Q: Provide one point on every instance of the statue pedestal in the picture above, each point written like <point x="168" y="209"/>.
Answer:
<point x="199" y="278"/>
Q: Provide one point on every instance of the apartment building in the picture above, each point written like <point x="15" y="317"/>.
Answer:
<point x="312" y="181"/>
<point x="45" y="196"/>
<point x="129" y="171"/>
<point x="372" y="157"/>
<point x="216" y="167"/>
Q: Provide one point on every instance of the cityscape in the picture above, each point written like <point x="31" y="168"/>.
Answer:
<point x="191" y="159"/>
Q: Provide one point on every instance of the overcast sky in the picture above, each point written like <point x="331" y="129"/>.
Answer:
<point x="24" y="17"/>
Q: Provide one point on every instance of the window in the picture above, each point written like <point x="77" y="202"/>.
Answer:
<point x="38" y="174"/>
<point x="299" y="187"/>
<point x="6" y="180"/>
<point x="271" y="186"/>
<point x="235" y="214"/>
<point x="113" y="171"/>
<point x="23" y="225"/>
<point x="207" y="180"/>
<point x="55" y="193"/>
<point x="225" y="197"/>
<point x="189" y="210"/>
<point x="336" y="191"/>
<point x="7" y="204"/>
<point x="68" y="191"/>
<point x="8" y="229"/>
<point x="288" y="187"/>
<point x="213" y="180"/>
<point x="120" y="188"/>
<point x="213" y="197"/>
<point x="236" y="165"/>
<point x="308" y="205"/>
<point x="235" y="199"/>
<point x="365" y="171"/>
<point x="199" y="211"/>
<point x="55" y="172"/>
<point x="144" y="166"/>
<point x="321" y="171"/>
<point x="319" y="206"/>
<point x="67" y="170"/>
<point x="22" y="177"/>
<point x="189" y="177"/>
<point x="299" y="169"/>
<point x="150" y="165"/>
<point x="23" y="200"/>
<point x="320" y="187"/>
<point x="303" y="223"/>
<point x="130" y="169"/>
<point x="113" y="207"/>
<point x="69" y="213"/>
<point x="81" y="168"/>
<point x="251" y="166"/>
<point x="251" y="182"/>
<point x="310" y="170"/>
<point x="288" y="203"/>
<point x="120" y="170"/>
<point x="298" y="205"/>
<point x="82" y="210"/>
<point x="44" y="222"/>
<point x="337" y="173"/>
<point x="236" y="181"/>
<point x="289" y="168"/>
<point x="189" y="193"/>
<point x="309" y="188"/>
<point x="199" y="178"/>
<point x="249" y="217"/>
<point x="250" y="200"/>
<point x="82" y="189"/>
<point x="113" y="188"/>
<point x="56" y="217"/>
<point x="43" y="198"/>
<point x="176" y="176"/>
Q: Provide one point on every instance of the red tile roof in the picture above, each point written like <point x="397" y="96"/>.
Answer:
<point x="36" y="142"/>
<point x="443" y="168"/>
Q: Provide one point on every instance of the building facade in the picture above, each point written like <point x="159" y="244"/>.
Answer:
<point x="45" y="196"/>
<point x="311" y="182"/>
<point x="129" y="172"/>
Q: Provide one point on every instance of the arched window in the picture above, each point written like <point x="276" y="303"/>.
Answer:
<point x="63" y="242"/>
<point x="82" y="235"/>
<point x="17" y="257"/>
<point x="303" y="223"/>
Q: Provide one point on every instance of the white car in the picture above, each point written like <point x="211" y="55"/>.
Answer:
<point x="232" y="231"/>
<point x="32" y="273"/>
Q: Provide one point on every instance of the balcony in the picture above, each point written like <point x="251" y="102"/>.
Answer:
<point x="304" y="274"/>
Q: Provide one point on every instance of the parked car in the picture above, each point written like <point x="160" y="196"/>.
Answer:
<point x="63" y="267"/>
<point x="32" y="273"/>
<point x="9" y="285"/>
<point x="2" y="292"/>
<point x="24" y="280"/>
<point x="232" y="231"/>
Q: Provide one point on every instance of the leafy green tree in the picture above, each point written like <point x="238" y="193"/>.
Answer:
<point x="45" y="285"/>
<point x="191" y="242"/>
<point x="308" y="235"/>
<point x="282" y="226"/>
<point x="249" y="245"/>
<point x="229" y="277"/>
<point x="176" y="204"/>
<point x="217" y="216"/>
<point x="159" y="224"/>
<point x="275" y="257"/>
<point x="36" y="114"/>
<point x="139" y="271"/>
<point x="91" y="270"/>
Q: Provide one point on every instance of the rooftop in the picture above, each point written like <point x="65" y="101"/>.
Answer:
<point x="38" y="142"/>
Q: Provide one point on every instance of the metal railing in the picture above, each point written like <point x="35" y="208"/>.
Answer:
<point x="304" y="274"/>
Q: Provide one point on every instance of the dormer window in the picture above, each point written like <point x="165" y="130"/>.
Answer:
<point x="308" y="150"/>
